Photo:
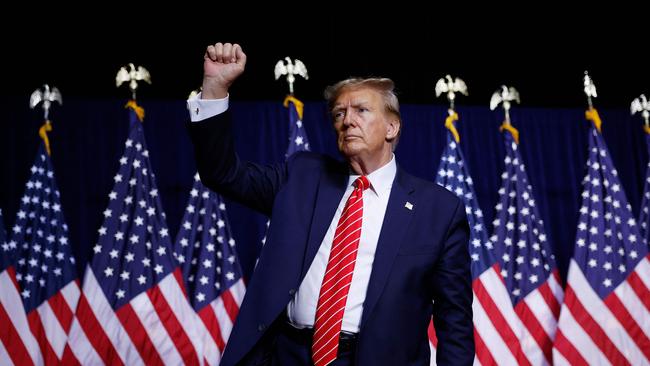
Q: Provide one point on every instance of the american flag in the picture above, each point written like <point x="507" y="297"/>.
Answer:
<point x="133" y="309"/>
<point x="495" y="322"/>
<point x="526" y="260"/>
<point x="205" y="250"/>
<point x="644" y="215"/>
<point x="605" y="317"/>
<point x="45" y="267"/>
<point x="297" y="135"/>
<point x="17" y="343"/>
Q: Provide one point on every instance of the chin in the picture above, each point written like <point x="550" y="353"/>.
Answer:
<point x="348" y="148"/>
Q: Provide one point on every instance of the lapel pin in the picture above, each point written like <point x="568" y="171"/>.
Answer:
<point x="408" y="205"/>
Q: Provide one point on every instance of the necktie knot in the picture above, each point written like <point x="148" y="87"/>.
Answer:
<point x="362" y="183"/>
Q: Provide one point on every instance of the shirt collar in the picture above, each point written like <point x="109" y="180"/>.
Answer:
<point x="381" y="180"/>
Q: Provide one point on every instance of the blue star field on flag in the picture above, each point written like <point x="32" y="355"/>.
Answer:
<point x="608" y="242"/>
<point x="453" y="174"/>
<point x="519" y="239"/>
<point x="297" y="135"/>
<point x="205" y="248"/>
<point x="134" y="249"/>
<point x="44" y="261"/>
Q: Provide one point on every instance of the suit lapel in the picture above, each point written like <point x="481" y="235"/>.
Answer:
<point x="393" y="230"/>
<point x="330" y="190"/>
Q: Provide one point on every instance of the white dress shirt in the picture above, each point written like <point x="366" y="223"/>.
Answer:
<point x="302" y="308"/>
<point x="201" y="109"/>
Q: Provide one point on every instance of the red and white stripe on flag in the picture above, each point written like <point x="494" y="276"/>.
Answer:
<point x="614" y="331"/>
<point x="51" y="322"/>
<point x="17" y="344"/>
<point x="511" y="336"/>
<point x="156" y="327"/>
<point x="218" y="319"/>
<point x="519" y="336"/>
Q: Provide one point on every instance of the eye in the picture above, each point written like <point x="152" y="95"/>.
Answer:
<point x="362" y="109"/>
<point x="339" y="115"/>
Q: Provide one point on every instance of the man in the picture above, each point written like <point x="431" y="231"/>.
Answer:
<point x="359" y="255"/>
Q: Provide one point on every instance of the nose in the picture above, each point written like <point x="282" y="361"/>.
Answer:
<point x="347" y="119"/>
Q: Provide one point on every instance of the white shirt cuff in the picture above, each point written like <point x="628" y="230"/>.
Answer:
<point x="201" y="109"/>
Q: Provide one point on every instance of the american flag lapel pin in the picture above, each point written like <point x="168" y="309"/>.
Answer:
<point x="408" y="205"/>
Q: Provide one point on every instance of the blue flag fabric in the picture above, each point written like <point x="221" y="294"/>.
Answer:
<point x="205" y="248"/>
<point x="297" y="135"/>
<point x="134" y="249"/>
<point x="604" y="318"/>
<point x="453" y="174"/>
<point x="44" y="260"/>
<point x="134" y="298"/>
<point x="519" y="238"/>
<point x="526" y="259"/>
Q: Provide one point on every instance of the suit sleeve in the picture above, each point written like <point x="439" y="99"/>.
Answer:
<point x="452" y="311"/>
<point x="220" y="169"/>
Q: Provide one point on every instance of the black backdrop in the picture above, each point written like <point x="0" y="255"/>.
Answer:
<point x="89" y="134"/>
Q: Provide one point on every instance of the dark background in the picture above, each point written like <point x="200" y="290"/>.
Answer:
<point x="542" y="52"/>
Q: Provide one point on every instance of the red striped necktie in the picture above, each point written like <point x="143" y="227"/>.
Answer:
<point x="338" y="277"/>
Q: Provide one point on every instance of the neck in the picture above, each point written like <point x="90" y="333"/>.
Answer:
<point x="365" y="166"/>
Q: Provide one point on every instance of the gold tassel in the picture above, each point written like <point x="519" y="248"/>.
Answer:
<point x="45" y="128"/>
<point x="592" y="115"/>
<point x="513" y="131"/>
<point x="449" y="123"/>
<point x="299" y="105"/>
<point x="139" y="111"/>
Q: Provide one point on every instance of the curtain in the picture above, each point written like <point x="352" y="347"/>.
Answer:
<point x="89" y="134"/>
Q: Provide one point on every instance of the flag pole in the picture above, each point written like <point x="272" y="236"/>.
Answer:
<point x="45" y="98"/>
<point x="641" y="104"/>
<point x="450" y="87"/>
<point x="590" y="91"/>
<point x="505" y="96"/>
<point x="132" y="76"/>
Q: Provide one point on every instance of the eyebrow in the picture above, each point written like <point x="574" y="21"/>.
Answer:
<point x="354" y="104"/>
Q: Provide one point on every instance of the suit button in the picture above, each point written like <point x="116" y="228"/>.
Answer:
<point x="261" y="327"/>
<point x="292" y="291"/>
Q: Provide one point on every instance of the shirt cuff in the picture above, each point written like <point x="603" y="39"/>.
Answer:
<point x="201" y="109"/>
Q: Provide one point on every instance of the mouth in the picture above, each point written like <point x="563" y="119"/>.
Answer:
<point x="350" y="138"/>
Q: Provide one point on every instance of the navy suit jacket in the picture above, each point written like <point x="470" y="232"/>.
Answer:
<point x="421" y="266"/>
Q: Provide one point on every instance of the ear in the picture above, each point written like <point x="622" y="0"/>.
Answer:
<point x="392" y="129"/>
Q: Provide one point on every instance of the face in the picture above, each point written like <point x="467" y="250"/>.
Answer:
<point x="364" y="129"/>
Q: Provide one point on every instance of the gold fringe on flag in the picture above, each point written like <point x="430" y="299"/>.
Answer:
<point x="45" y="128"/>
<point x="299" y="105"/>
<point x="513" y="131"/>
<point x="449" y="123"/>
<point x="139" y="111"/>
<point x="592" y="115"/>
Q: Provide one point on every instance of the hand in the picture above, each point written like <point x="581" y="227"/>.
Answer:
<point x="222" y="64"/>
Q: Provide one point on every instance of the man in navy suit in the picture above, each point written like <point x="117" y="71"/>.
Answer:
<point x="406" y="250"/>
